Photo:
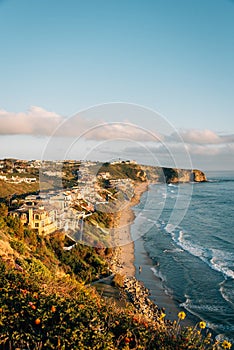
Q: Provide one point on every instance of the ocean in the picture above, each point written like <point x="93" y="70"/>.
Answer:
<point x="188" y="232"/>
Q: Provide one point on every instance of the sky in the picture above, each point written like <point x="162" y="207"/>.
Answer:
<point x="149" y="80"/>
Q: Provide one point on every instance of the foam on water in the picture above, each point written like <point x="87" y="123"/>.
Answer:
<point x="196" y="257"/>
<point x="169" y="228"/>
<point x="214" y="258"/>
<point x="227" y="294"/>
<point x="207" y="309"/>
<point x="221" y="262"/>
<point x="201" y="307"/>
<point x="175" y="250"/>
<point x="150" y="220"/>
<point x="192" y="309"/>
<point x="159" y="275"/>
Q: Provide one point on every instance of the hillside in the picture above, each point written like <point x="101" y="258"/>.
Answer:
<point x="151" y="174"/>
<point x="47" y="301"/>
<point x="51" y="175"/>
<point x="47" y="296"/>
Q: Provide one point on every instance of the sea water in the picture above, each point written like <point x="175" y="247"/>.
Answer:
<point x="188" y="230"/>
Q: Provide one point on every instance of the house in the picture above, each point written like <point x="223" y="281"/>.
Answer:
<point x="104" y="175"/>
<point x="37" y="218"/>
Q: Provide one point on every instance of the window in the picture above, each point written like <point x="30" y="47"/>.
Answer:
<point x="36" y="224"/>
<point x="36" y="217"/>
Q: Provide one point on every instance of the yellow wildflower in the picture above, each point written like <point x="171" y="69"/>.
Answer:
<point x="181" y="315"/>
<point x="226" y="344"/>
<point x="202" y="324"/>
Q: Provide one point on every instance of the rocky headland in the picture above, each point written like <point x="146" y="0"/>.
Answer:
<point x="172" y="175"/>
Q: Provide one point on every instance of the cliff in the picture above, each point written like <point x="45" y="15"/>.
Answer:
<point x="152" y="174"/>
<point x="173" y="175"/>
<point x="199" y="176"/>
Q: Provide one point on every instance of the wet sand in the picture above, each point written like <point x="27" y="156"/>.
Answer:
<point x="133" y="255"/>
<point x="152" y="282"/>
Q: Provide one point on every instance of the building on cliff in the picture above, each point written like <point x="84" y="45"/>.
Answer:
<point x="37" y="218"/>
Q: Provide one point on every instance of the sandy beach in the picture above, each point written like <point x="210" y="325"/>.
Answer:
<point x="131" y="255"/>
<point x="125" y="244"/>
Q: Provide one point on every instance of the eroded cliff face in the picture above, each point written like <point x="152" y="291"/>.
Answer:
<point x="173" y="175"/>
<point x="152" y="174"/>
<point x="199" y="176"/>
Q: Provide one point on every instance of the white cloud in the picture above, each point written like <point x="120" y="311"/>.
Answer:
<point x="207" y="150"/>
<point x="205" y="147"/>
<point x="40" y="122"/>
<point x="36" y="121"/>
<point x="123" y="130"/>
<point x="182" y="148"/>
<point x="204" y="137"/>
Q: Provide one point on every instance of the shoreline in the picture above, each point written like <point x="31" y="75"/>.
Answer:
<point x="125" y="244"/>
<point x="132" y="255"/>
<point x="134" y="260"/>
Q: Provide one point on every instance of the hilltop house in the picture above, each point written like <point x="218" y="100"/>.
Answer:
<point x="37" y="218"/>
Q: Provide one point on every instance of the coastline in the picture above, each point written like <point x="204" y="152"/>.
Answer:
<point x="125" y="245"/>
<point x="132" y="255"/>
<point x="153" y="283"/>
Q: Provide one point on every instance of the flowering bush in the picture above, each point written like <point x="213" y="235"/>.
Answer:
<point x="65" y="314"/>
<point x="42" y="307"/>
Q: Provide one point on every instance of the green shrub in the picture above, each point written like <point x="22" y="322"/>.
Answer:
<point x="18" y="246"/>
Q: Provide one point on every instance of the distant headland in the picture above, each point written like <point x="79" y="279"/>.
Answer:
<point x="19" y="176"/>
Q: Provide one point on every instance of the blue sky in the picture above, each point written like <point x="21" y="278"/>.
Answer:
<point x="173" y="56"/>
